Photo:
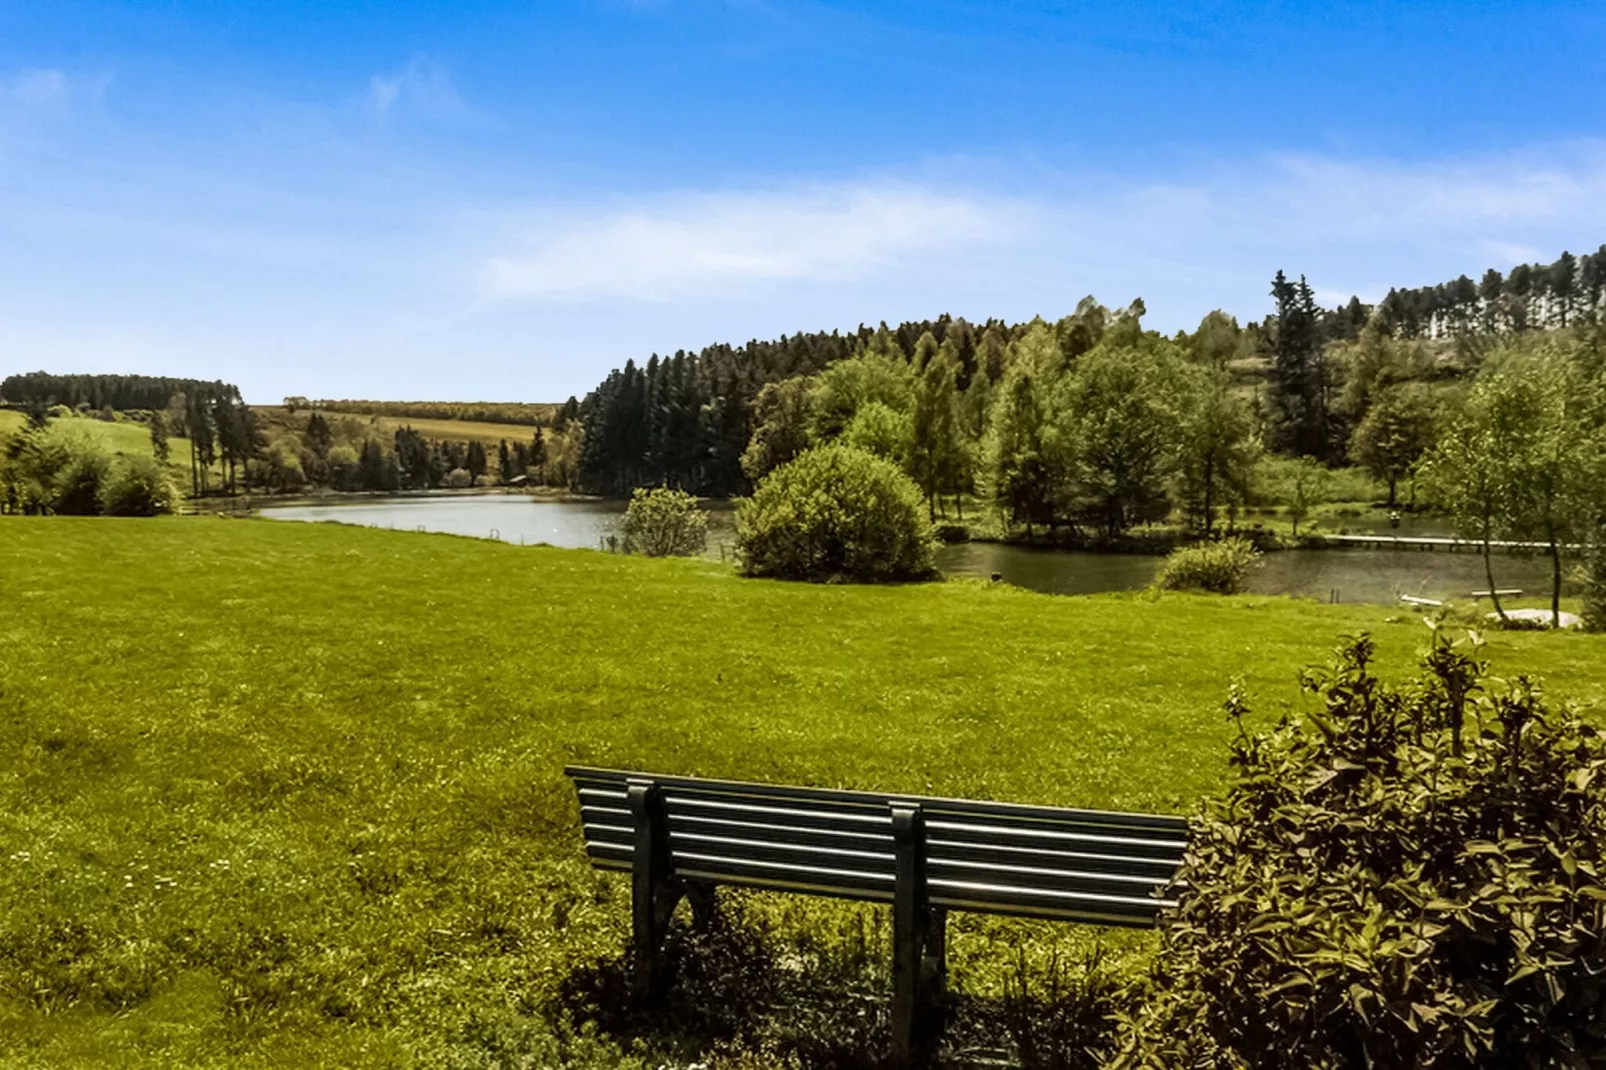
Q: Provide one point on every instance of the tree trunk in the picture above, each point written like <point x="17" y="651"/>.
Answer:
<point x="1488" y="573"/>
<point x="1210" y="493"/>
<point x="1393" y="480"/>
<point x="1555" y="581"/>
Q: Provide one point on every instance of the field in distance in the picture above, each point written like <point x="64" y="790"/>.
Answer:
<point x="285" y="794"/>
<point x="485" y="432"/>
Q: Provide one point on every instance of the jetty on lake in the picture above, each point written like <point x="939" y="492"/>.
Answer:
<point x="1430" y="542"/>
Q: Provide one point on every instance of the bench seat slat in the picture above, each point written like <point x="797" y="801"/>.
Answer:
<point x="780" y="833"/>
<point x="1129" y="846"/>
<point x="1006" y="895"/>
<point x="707" y="866"/>
<point x="1155" y="868"/>
<point x="820" y="819"/>
<point x="1042" y="877"/>
<point x="932" y="804"/>
<point x="685" y="845"/>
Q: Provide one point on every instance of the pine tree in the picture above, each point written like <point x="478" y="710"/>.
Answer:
<point x="1299" y="381"/>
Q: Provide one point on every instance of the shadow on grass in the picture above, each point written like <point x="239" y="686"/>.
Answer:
<point x="740" y="999"/>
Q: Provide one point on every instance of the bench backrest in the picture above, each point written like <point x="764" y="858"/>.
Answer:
<point x="1036" y="861"/>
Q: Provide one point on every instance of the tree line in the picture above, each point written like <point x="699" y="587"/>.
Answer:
<point x="1528" y="297"/>
<point x="345" y="452"/>
<point x="527" y="414"/>
<point x="118" y="392"/>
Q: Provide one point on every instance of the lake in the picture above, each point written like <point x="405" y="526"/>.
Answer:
<point x="1379" y="576"/>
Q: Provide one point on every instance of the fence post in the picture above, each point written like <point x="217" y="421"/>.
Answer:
<point x="918" y="943"/>
<point x="653" y="893"/>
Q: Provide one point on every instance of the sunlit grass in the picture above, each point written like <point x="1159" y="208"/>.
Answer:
<point x="284" y="793"/>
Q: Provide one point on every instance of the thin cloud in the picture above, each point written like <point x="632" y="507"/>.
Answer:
<point x="423" y="86"/>
<point x="1354" y="226"/>
<point x="36" y="87"/>
<point x="682" y="245"/>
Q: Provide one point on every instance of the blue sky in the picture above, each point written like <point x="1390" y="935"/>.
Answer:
<point x="503" y="200"/>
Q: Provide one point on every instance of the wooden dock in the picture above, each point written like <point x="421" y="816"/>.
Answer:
<point x="1419" y="542"/>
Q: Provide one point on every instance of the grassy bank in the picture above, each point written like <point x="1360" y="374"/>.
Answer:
<point x="283" y="793"/>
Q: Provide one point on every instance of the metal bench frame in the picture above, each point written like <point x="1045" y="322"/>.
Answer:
<point x="679" y="837"/>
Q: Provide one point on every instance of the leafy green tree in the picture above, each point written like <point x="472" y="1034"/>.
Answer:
<point x="662" y="522"/>
<point x="1470" y="471"/>
<point x="476" y="462"/>
<point x="843" y="388"/>
<point x="1554" y="465"/>
<point x="1126" y="410"/>
<point x="1026" y="456"/>
<point x="1217" y="341"/>
<point x="538" y="455"/>
<point x="935" y="446"/>
<point x="881" y="431"/>
<point x="1300" y="484"/>
<point x="780" y="426"/>
<point x="158" y="428"/>
<point x="1398" y="429"/>
<point x="1217" y="445"/>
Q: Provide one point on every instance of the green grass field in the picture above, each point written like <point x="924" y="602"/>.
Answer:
<point x="121" y="436"/>
<point x="485" y="432"/>
<point x="284" y="794"/>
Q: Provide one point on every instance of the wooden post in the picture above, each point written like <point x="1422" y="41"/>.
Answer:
<point x="654" y="893"/>
<point x="918" y="943"/>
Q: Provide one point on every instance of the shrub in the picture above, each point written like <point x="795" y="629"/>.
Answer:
<point x="458" y="478"/>
<point x="835" y="512"/>
<point x="1413" y="876"/>
<point x="77" y="483"/>
<point x="1221" y="567"/>
<point x="137" y="486"/>
<point x="661" y="522"/>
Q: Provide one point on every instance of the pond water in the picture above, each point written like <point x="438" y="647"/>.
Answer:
<point x="1379" y="576"/>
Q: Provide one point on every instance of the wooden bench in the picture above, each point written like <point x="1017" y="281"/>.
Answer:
<point x="679" y="837"/>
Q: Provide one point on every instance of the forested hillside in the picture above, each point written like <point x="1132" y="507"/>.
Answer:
<point x="1004" y="404"/>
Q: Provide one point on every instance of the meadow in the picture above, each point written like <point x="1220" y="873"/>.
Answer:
<point x="286" y="794"/>
<point x="482" y="431"/>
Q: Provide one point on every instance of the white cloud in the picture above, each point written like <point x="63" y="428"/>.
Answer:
<point x="680" y="245"/>
<point x="423" y="86"/>
<point x="886" y="247"/>
<point x="35" y="86"/>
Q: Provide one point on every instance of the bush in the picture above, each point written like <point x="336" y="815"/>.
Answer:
<point x="459" y="478"/>
<point x="1412" y="877"/>
<point x="77" y="483"/>
<point x="1221" y="567"/>
<point x="835" y="512"/>
<point x="137" y="486"/>
<point x="661" y="522"/>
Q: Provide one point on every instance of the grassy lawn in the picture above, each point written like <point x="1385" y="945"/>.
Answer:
<point x="291" y="794"/>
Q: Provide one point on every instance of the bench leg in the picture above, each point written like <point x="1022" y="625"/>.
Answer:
<point x="919" y="946"/>
<point x="704" y="904"/>
<point x="653" y="894"/>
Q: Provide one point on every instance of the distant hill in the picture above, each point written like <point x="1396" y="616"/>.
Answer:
<point x="529" y="414"/>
